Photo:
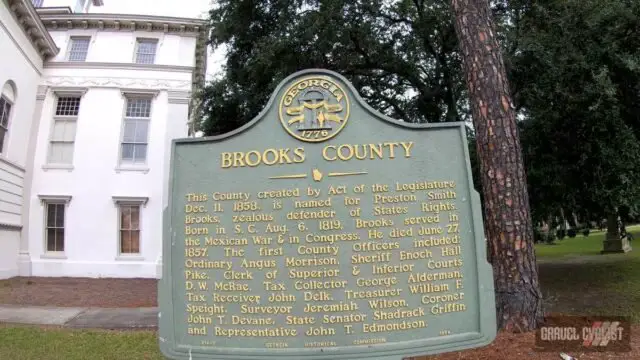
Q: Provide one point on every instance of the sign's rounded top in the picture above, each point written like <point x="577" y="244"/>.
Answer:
<point x="314" y="108"/>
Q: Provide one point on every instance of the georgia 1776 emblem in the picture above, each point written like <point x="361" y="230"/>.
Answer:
<point x="314" y="109"/>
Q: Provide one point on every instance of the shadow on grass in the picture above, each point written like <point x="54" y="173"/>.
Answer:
<point x="607" y="286"/>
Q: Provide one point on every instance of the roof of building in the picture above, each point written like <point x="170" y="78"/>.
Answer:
<point x="37" y="25"/>
<point x="35" y="30"/>
<point x="125" y="22"/>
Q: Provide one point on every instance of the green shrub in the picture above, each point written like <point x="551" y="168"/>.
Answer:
<point x="550" y="238"/>
<point x="561" y="234"/>
<point x="586" y="231"/>
<point x="538" y="235"/>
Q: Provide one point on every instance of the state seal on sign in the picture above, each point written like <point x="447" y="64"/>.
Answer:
<point x="314" y="109"/>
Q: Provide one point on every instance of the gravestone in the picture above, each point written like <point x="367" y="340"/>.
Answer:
<point x="324" y="230"/>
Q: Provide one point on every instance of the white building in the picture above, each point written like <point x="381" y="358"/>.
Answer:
<point x="90" y="103"/>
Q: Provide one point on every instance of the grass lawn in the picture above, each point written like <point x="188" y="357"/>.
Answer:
<point x="576" y="279"/>
<point x="580" y="245"/>
<point x="33" y="343"/>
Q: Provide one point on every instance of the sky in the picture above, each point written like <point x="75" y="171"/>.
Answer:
<point x="175" y="8"/>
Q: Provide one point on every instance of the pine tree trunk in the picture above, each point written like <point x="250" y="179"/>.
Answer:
<point x="508" y="223"/>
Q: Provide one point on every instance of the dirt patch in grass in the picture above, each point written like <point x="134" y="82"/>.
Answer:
<point x="79" y="292"/>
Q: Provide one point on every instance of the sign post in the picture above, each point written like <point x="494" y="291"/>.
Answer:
<point x="324" y="230"/>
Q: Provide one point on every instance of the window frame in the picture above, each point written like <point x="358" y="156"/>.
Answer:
<point x="6" y="129"/>
<point x="119" y="202"/>
<point x="57" y="94"/>
<point x="70" y="46"/>
<point x="139" y="40"/>
<point x="123" y="165"/>
<point x="47" y="200"/>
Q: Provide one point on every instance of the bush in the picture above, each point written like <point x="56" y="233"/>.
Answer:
<point x="572" y="233"/>
<point x="538" y="236"/>
<point x="561" y="234"/>
<point x="551" y="237"/>
<point x="586" y="231"/>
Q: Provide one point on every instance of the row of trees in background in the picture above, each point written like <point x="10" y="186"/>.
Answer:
<point x="573" y="68"/>
<point x="573" y="65"/>
<point x="576" y="75"/>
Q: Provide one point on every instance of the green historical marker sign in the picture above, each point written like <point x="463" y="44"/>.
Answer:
<point x="324" y="230"/>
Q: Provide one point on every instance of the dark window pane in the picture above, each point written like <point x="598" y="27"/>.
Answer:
<point x="5" y="112"/>
<point x="51" y="239"/>
<point x="59" y="215"/>
<point x="68" y="106"/>
<point x="59" y="240"/>
<point x="3" y="134"/>
<point x="51" y="215"/>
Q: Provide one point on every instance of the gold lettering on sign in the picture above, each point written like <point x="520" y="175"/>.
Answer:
<point x="267" y="157"/>
<point x="325" y="264"/>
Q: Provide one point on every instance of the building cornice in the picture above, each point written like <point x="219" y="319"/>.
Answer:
<point x="126" y="18"/>
<point x="33" y="27"/>
<point x="53" y="10"/>
<point x="117" y="66"/>
<point x="117" y="82"/>
<point x="139" y="92"/>
<point x="126" y="22"/>
<point x="69" y="91"/>
<point x="55" y="198"/>
<point x="123" y="200"/>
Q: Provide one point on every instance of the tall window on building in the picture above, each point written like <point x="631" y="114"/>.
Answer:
<point x="55" y="211"/>
<point x="146" y="51"/>
<point x="129" y="228"/>
<point x="78" y="48"/>
<point x="136" y="130"/>
<point x="7" y="98"/>
<point x="63" y="133"/>
<point x="129" y="224"/>
<point x="55" y="227"/>
<point x="37" y="3"/>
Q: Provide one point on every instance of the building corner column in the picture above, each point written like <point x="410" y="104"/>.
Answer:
<point x="176" y="127"/>
<point x="24" y="258"/>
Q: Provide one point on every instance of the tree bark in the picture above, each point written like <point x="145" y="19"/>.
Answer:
<point x="507" y="215"/>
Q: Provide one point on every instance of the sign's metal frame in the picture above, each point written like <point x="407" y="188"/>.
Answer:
<point x="385" y="351"/>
